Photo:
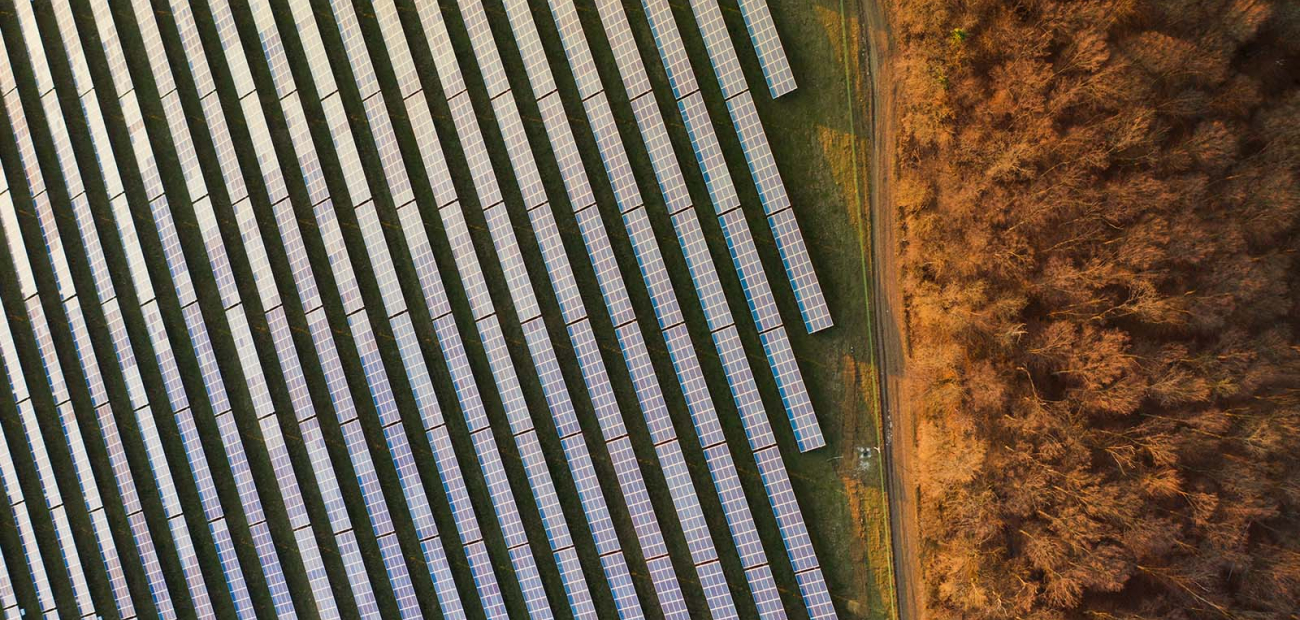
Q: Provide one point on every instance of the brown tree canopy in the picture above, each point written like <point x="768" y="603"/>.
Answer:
<point x="1099" y="205"/>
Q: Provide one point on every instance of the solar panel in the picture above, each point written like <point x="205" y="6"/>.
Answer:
<point x="489" y="591"/>
<point x="604" y="263"/>
<point x="807" y="432"/>
<point x="767" y="43"/>
<point x="22" y="267"/>
<point x="28" y="538"/>
<point x="408" y="606"/>
<point x="476" y="154"/>
<point x="552" y="380"/>
<point x="588" y="486"/>
<point x="268" y="162"/>
<point x="813" y="588"/>
<point x="85" y="354"/>
<point x="548" y="503"/>
<point x="280" y="464"/>
<point x="354" y="45"/>
<point x="786" y="507"/>
<point x="300" y="135"/>
<point x="694" y="527"/>
<point x="152" y="442"/>
<point x="399" y="53"/>
<point x="390" y="155"/>
<point x="709" y="154"/>
<point x="494" y="474"/>
<point x="512" y="262"/>
<point x="557" y="265"/>
<point x="512" y="132"/>
<point x="653" y="271"/>
<point x="361" y="54"/>
<point x="645" y="382"/>
<point x="598" y="386"/>
<point x="671" y="601"/>
<point x="714" y="583"/>
<point x="8" y="601"/>
<point x="54" y="245"/>
<point x="530" y="583"/>
<point x="639" y="506"/>
<point x="230" y="567"/>
<point x="620" y="580"/>
<point x="355" y="570"/>
<point x="443" y="585"/>
<point x="660" y="147"/>
<point x="224" y="146"/>
<point x="453" y="483"/>
<point x="63" y="533"/>
<point x="767" y="599"/>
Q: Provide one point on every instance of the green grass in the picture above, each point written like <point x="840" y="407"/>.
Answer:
<point x="820" y="141"/>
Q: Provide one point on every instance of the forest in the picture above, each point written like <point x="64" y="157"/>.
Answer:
<point x="1098" y="202"/>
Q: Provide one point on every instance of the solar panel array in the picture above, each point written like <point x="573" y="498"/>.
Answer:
<point x="260" y="352"/>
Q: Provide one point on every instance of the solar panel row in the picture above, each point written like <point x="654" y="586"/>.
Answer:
<point x="28" y="539"/>
<point x="8" y="601"/>
<point x="753" y="280"/>
<point x="63" y="533"/>
<point x="399" y="187"/>
<point x="273" y="438"/>
<point x="276" y="582"/>
<point x="753" y="141"/>
<point x="154" y="450"/>
<point x="476" y="420"/>
<point x="648" y="255"/>
<point x="449" y="72"/>
<point x="198" y="332"/>
<point x="767" y="43"/>
<point x="252" y="229"/>
<point x="677" y="199"/>
<point x="72" y="436"/>
<point x="376" y="377"/>
<point x="617" y="302"/>
<point x="355" y="570"/>
<point x="644" y="381"/>
<point x="722" y="191"/>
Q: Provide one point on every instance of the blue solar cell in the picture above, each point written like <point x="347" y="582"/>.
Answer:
<point x="488" y="590"/>
<point x="593" y="502"/>
<point x="789" y="382"/>
<point x="530" y="583"/>
<point x="786" y="507"/>
<point x="671" y="601"/>
<point x="767" y="599"/>
<point x="716" y="592"/>
<point x="815" y="594"/>
<point x="548" y="503"/>
<point x="598" y="386"/>
<point x="580" y="599"/>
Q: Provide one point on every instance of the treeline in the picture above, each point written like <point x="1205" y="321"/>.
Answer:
<point x="1098" y="202"/>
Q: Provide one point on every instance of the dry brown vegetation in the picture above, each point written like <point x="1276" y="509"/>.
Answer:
<point x="1098" y="202"/>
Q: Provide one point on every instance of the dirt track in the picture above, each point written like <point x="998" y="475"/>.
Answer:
<point x="900" y="427"/>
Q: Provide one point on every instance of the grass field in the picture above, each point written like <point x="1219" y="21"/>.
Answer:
<point x="819" y="134"/>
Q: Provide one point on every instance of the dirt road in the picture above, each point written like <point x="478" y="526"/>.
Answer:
<point x="900" y="427"/>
